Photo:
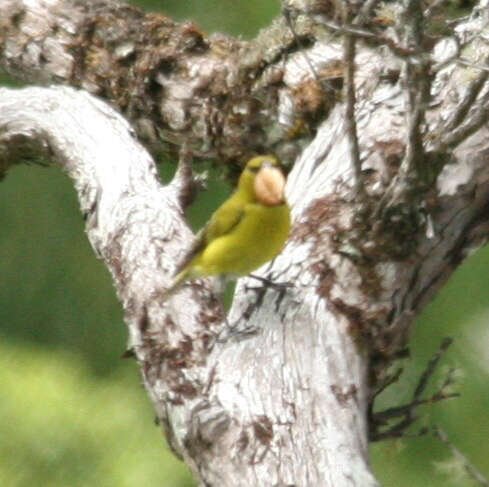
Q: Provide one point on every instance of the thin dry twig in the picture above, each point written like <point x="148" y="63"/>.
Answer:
<point x="416" y="81"/>
<point x="288" y="19"/>
<point x="470" y="468"/>
<point x="477" y="119"/>
<point x="465" y="62"/>
<point x="350" y="120"/>
<point x="429" y="11"/>
<point x="349" y="51"/>
<point x="430" y="368"/>
<point x="377" y="39"/>
<point x="407" y="411"/>
<point x="472" y="92"/>
<point x="389" y="380"/>
<point x="365" y="12"/>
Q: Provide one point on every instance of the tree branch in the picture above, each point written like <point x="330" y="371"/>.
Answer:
<point x="174" y="83"/>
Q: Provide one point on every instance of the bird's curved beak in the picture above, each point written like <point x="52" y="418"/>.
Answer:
<point x="269" y="185"/>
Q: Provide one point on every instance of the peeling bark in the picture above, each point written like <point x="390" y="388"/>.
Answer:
<point x="277" y="392"/>
<point x="174" y="83"/>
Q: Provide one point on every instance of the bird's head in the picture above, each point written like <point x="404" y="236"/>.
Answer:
<point x="264" y="179"/>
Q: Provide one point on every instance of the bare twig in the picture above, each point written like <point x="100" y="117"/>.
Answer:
<point x="389" y="380"/>
<point x="415" y="117"/>
<point x="349" y="51"/>
<point x="407" y="411"/>
<point x="471" y="469"/>
<point x="398" y="431"/>
<point x="431" y="9"/>
<point x="396" y="48"/>
<point x="365" y="12"/>
<point x="464" y="62"/>
<point x="288" y="19"/>
<point x="349" y="29"/>
<point x="350" y="121"/>
<point x="430" y="368"/>
<point x="416" y="78"/>
<point x="472" y="92"/>
<point x="417" y="83"/>
<point x="477" y="119"/>
<point x="183" y="181"/>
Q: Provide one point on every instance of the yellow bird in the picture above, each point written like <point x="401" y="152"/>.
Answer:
<point x="247" y="230"/>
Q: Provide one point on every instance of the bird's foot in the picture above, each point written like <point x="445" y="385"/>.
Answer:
<point x="278" y="286"/>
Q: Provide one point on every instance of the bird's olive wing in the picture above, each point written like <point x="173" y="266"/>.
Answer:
<point x="222" y="221"/>
<point x="197" y="245"/>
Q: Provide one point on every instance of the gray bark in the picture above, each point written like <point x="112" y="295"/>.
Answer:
<point x="277" y="392"/>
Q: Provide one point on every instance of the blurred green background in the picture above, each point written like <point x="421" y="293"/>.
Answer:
<point x="72" y="413"/>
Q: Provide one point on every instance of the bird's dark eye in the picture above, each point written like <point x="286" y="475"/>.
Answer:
<point x="254" y="169"/>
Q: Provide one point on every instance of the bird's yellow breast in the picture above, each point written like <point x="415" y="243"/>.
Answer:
<point x="257" y="238"/>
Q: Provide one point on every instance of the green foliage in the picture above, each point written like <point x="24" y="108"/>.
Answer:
<point x="6" y="80"/>
<point x="228" y="16"/>
<point x="52" y="282"/>
<point x="62" y="426"/>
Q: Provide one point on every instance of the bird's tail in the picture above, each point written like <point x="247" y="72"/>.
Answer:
<point x="178" y="280"/>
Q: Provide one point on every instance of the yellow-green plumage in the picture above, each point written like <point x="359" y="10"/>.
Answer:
<point x="246" y="231"/>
